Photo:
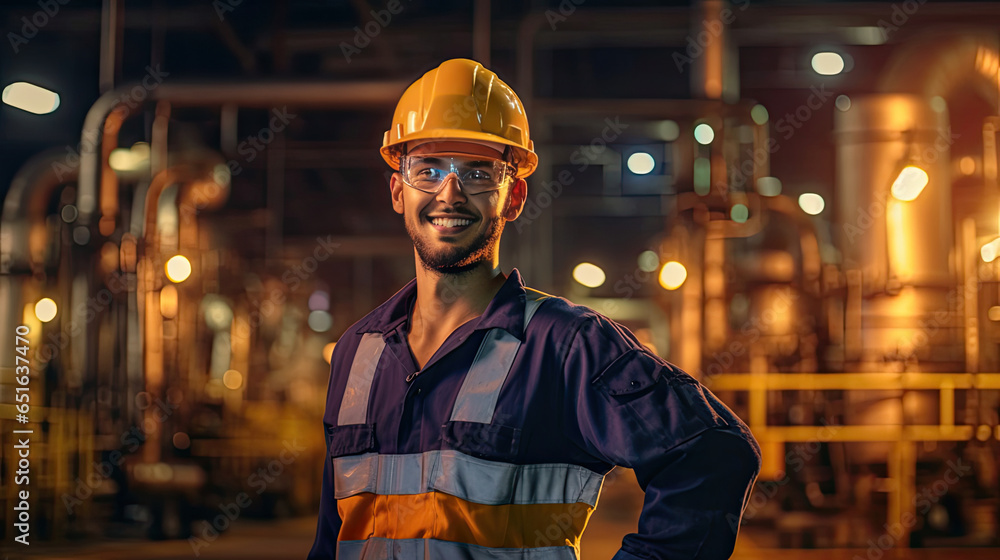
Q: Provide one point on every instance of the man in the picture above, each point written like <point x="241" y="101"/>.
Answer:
<point x="471" y="417"/>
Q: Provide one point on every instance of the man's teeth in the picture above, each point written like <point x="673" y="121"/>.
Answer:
<point x="450" y="222"/>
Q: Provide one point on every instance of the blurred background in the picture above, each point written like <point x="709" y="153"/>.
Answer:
<point x="796" y="202"/>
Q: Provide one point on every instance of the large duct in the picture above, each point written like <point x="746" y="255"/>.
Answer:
<point x="938" y="65"/>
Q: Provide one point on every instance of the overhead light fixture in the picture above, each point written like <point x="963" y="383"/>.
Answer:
<point x="828" y="63"/>
<point x="649" y="261"/>
<point x="912" y="179"/>
<point x="769" y="186"/>
<point x="672" y="275"/>
<point x="842" y="103"/>
<point x="45" y="310"/>
<point x="704" y="134"/>
<point x="668" y="130"/>
<point x="990" y="251"/>
<point x="590" y="275"/>
<point x="130" y="160"/>
<point x="909" y="183"/>
<point x="811" y="203"/>
<point x="739" y="213"/>
<point x="30" y="98"/>
<point x="328" y="351"/>
<point x="232" y="379"/>
<point x="320" y="320"/>
<point x="178" y="269"/>
<point x="641" y="163"/>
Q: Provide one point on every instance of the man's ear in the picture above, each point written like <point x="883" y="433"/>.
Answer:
<point x="515" y="200"/>
<point x="396" y="190"/>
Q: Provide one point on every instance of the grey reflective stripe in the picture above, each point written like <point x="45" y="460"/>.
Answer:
<point x="477" y="399"/>
<point x="466" y="477"/>
<point x="532" y="304"/>
<point x="354" y="406"/>
<point x="434" y="549"/>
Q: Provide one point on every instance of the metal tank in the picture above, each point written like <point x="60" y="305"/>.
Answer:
<point x="901" y="300"/>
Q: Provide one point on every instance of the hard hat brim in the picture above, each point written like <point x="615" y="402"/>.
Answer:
<point x="526" y="160"/>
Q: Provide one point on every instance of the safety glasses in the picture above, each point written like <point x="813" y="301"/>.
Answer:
<point x="477" y="174"/>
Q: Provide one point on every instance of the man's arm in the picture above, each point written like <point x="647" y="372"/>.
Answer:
<point x="693" y="457"/>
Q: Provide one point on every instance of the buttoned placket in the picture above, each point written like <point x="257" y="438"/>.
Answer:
<point x="411" y="416"/>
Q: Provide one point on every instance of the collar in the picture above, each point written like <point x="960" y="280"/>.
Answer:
<point x="505" y="311"/>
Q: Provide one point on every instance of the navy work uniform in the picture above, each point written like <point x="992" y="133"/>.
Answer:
<point x="498" y="447"/>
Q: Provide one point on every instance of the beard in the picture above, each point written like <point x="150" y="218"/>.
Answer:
<point x="456" y="259"/>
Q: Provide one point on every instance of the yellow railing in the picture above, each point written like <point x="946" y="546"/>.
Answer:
<point x="902" y="456"/>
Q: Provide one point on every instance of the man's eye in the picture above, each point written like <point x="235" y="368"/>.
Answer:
<point x="428" y="173"/>
<point x="479" y="175"/>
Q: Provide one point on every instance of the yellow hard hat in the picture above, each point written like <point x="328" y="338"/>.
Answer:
<point x="461" y="100"/>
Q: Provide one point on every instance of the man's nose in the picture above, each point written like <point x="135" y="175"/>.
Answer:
<point x="451" y="190"/>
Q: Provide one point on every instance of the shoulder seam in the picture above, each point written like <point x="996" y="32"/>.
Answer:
<point x="571" y="339"/>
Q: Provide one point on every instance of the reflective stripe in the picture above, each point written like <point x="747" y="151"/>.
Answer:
<point x="435" y="515"/>
<point x="354" y="406"/>
<point x="534" y="301"/>
<point x="477" y="399"/>
<point x="433" y="549"/>
<point x="466" y="477"/>
<point x="480" y="390"/>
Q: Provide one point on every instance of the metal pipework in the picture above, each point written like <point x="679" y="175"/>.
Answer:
<point x="250" y="94"/>
<point x="900" y="248"/>
<point x="23" y="238"/>
<point x="109" y="181"/>
<point x="189" y="174"/>
<point x="939" y="65"/>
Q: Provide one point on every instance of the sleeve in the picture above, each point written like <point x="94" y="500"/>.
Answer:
<point x="694" y="458"/>
<point x="328" y="526"/>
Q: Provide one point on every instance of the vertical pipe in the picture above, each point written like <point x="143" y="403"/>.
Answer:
<point x="689" y="335"/>
<point x="158" y="145"/>
<point x="970" y="294"/>
<point x="481" y="32"/>
<point x="894" y="467"/>
<point x="712" y="70"/>
<point x="112" y="16"/>
<point x="275" y="196"/>
<point x="109" y="181"/>
<point x="947" y="403"/>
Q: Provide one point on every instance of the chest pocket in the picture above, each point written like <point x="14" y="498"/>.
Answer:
<point x="350" y="439"/>
<point x="485" y="441"/>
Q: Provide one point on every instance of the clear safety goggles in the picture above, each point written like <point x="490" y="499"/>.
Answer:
<point x="477" y="174"/>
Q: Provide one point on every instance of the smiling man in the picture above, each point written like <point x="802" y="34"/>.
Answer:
<point x="470" y="416"/>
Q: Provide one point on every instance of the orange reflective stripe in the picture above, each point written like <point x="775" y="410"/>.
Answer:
<point x="435" y="515"/>
<point x="355" y="521"/>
